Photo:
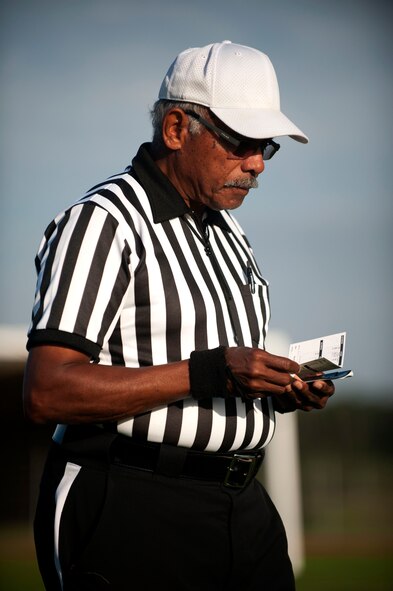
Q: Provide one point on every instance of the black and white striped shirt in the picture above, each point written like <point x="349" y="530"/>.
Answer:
<point x="130" y="277"/>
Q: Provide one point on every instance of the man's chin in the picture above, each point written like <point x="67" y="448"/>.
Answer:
<point x="236" y="198"/>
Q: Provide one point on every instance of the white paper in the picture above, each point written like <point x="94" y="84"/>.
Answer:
<point x="330" y="348"/>
<point x="320" y="357"/>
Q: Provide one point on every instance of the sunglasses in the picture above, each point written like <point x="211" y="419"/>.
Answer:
<point x="241" y="148"/>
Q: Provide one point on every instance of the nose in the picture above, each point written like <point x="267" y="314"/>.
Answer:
<point x="254" y="163"/>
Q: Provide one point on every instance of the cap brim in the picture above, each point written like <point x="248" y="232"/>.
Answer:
<point x="259" y="123"/>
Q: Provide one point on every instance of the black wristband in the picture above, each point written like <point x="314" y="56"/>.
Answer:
<point x="208" y="374"/>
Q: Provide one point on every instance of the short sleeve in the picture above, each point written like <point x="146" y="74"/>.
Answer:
<point x="83" y="275"/>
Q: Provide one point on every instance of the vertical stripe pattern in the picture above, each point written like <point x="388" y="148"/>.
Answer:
<point x="132" y="291"/>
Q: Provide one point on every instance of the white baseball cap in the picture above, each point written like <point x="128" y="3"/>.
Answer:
<point x="237" y="83"/>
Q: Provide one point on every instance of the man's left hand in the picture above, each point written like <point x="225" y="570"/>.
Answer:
<point x="304" y="396"/>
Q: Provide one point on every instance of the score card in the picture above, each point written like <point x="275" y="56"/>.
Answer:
<point x="318" y="357"/>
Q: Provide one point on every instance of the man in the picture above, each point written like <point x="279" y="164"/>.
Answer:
<point x="147" y="349"/>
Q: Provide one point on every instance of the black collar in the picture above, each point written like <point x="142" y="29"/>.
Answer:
<point x="166" y="202"/>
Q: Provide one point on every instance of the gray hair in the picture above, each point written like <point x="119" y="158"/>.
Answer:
<point x="161" y="108"/>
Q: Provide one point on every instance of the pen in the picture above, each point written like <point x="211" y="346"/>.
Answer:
<point x="250" y="278"/>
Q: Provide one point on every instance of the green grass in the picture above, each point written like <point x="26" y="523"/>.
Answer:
<point x="347" y="574"/>
<point x="20" y="575"/>
<point x="358" y="563"/>
<point x="320" y="574"/>
<point x="18" y="566"/>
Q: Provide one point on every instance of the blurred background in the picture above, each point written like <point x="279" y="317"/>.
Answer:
<point x="78" y="80"/>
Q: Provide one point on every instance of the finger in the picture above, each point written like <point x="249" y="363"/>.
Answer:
<point x="279" y="378"/>
<point x="282" y="364"/>
<point x="264" y="389"/>
<point x="287" y="401"/>
<point x="253" y="365"/>
<point x="308" y="408"/>
<point x="325" y="387"/>
<point x="261" y="386"/>
<point x="269" y="380"/>
<point x="296" y="381"/>
<point x="306" y="394"/>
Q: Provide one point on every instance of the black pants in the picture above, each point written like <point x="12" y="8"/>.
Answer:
<point x="116" y="528"/>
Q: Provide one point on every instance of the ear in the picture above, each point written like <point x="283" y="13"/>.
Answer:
<point x="174" y="129"/>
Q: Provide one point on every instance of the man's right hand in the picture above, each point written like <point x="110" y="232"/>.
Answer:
<point x="259" y="374"/>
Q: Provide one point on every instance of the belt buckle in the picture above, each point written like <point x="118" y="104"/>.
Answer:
<point x="241" y="470"/>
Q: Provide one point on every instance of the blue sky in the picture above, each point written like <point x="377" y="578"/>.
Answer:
<point x="78" y="79"/>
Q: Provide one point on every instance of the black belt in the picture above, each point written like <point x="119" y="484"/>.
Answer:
<point x="91" y="445"/>
<point x="233" y="470"/>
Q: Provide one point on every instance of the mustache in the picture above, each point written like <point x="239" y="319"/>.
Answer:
<point x="243" y="183"/>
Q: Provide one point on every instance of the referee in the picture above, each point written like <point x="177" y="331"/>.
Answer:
<point x="146" y="349"/>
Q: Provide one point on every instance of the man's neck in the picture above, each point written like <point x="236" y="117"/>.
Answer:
<point x="166" y="162"/>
